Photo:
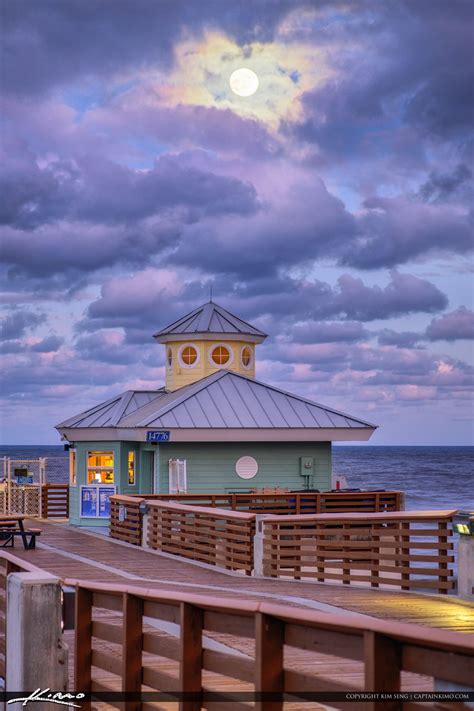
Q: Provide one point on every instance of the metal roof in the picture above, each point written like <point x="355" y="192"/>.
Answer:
<point x="210" y="318"/>
<point x="222" y="400"/>
<point x="109" y="413"/>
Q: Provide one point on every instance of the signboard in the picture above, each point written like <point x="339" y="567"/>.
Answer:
<point x="24" y="479"/>
<point x="157" y="436"/>
<point x="89" y="500"/>
<point x="122" y="513"/>
<point x="105" y="492"/>
<point x="95" y="500"/>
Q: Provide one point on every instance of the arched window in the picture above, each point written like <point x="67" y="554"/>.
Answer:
<point x="169" y="357"/>
<point x="188" y="356"/>
<point x="221" y="356"/>
<point x="247" y="357"/>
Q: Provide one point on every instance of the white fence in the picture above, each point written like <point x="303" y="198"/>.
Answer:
<point x="20" y="488"/>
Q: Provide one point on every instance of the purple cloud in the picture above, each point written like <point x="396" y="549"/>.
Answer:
<point x="454" y="326"/>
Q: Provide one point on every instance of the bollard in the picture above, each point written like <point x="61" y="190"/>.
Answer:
<point x="37" y="657"/>
<point x="258" y="546"/>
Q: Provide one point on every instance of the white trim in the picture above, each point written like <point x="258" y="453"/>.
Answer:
<point x="191" y="365"/>
<point x="224" y="365"/>
<point x="224" y="434"/>
<point x="205" y="336"/>
<point x="252" y="358"/>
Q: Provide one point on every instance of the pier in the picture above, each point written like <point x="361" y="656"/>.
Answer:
<point x="147" y="620"/>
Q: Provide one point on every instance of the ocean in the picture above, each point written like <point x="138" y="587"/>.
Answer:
<point x="431" y="477"/>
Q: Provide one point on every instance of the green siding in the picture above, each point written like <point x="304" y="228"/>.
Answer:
<point x="211" y="466"/>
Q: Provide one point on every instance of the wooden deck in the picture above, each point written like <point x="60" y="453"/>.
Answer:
<point x="73" y="553"/>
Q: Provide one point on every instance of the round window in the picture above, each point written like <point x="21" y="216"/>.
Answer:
<point x="220" y="356"/>
<point x="246" y="467"/>
<point x="246" y="357"/>
<point x="188" y="356"/>
<point x="169" y="357"/>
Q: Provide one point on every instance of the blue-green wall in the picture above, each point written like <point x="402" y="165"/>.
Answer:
<point x="210" y="468"/>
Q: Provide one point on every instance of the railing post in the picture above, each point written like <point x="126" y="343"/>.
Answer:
<point x="258" y="541"/>
<point x="443" y="567"/>
<point x="466" y="567"/>
<point x="132" y="643"/>
<point x="269" y="670"/>
<point x="83" y="643"/>
<point x="190" y="658"/>
<point x="35" y="652"/>
<point x="382" y="657"/>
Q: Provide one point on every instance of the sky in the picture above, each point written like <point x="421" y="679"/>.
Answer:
<point x="332" y="208"/>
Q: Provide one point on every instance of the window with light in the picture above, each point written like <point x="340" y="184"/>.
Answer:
<point x="220" y="355"/>
<point x="100" y="467"/>
<point x="246" y="357"/>
<point x="131" y="468"/>
<point x="72" y="467"/>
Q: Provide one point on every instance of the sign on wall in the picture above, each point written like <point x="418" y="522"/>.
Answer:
<point x="158" y="436"/>
<point x="95" y="500"/>
<point x="89" y="498"/>
<point x="105" y="492"/>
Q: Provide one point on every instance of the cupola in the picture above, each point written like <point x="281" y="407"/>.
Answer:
<point x="205" y="341"/>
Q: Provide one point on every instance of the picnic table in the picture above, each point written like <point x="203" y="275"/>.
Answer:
<point x="11" y="525"/>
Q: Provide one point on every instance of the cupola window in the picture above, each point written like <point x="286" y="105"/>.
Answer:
<point x="246" y="357"/>
<point x="221" y="356"/>
<point x="188" y="356"/>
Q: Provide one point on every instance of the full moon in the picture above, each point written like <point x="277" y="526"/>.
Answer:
<point x="243" y="82"/>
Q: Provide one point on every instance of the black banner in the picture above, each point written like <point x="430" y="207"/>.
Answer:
<point x="77" y="699"/>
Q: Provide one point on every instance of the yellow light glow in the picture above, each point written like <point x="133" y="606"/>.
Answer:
<point x="243" y="82"/>
<point x="282" y="72"/>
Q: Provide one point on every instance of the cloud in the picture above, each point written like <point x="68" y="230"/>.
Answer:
<point x="15" y="324"/>
<point x="405" y="339"/>
<point x="325" y="332"/>
<point x="93" y="189"/>
<point x="454" y="326"/>
<point x="394" y="230"/>
<point x="50" y="344"/>
<point x="52" y="44"/>
<point x="442" y="186"/>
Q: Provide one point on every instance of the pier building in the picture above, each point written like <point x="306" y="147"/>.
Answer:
<point x="213" y="427"/>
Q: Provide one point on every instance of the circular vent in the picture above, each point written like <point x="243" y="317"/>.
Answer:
<point x="246" y="467"/>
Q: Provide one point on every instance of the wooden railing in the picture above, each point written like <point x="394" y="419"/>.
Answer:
<point x="55" y="501"/>
<point x="125" y="518"/>
<point x="409" y="550"/>
<point x="167" y="642"/>
<point x="8" y="564"/>
<point x="127" y="526"/>
<point x="290" y="503"/>
<point x="213" y="536"/>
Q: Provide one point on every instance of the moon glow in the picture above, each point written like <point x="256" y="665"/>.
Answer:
<point x="243" y="82"/>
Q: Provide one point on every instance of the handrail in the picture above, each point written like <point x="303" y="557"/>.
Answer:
<point x="208" y="535"/>
<point x="408" y="550"/>
<point x="202" y="510"/>
<point x="381" y="651"/>
<point x="359" y="516"/>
